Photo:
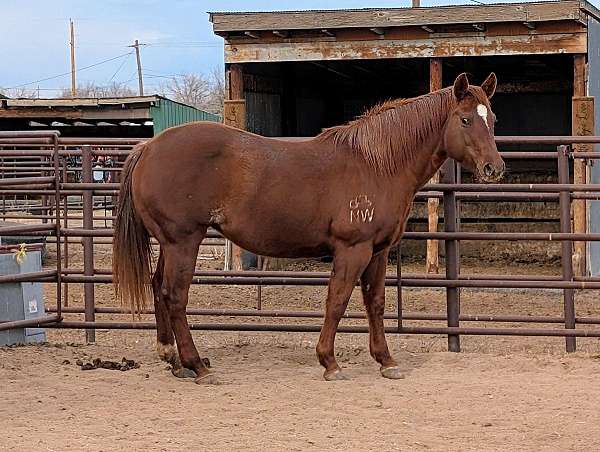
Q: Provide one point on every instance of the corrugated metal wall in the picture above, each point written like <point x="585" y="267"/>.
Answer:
<point x="168" y="113"/>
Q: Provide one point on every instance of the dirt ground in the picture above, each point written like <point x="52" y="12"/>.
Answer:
<point x="500" y="393"/>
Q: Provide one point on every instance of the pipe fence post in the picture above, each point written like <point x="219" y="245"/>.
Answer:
<point x="399" y="284"/>
<point x="452" y="253"/>
<point x="45" y="211"/>
<point x="57" y="175"/>
<point x="88" y="242"/>
<point x="66" y="239"/>
<point x="566" y="245"/>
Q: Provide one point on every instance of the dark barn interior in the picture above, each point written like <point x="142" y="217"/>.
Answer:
<point x="302" y="98"/>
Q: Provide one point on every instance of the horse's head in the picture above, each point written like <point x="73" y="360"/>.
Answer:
<point x="469" y="132"/>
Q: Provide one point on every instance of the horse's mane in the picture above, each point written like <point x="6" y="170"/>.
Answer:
<point x="389" y="135"/>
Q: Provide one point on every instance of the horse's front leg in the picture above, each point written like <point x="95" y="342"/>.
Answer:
<point x="348" y="265"/>
<point x="373" y="289"/>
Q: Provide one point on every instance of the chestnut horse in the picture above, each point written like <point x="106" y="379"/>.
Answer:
<point x="345" y="193"/>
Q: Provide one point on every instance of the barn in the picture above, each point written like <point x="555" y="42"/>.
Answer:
<point x="293" y="73"/>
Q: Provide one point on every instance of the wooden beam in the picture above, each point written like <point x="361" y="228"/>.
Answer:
<point x="437" y="47"/>
<point x="427" y="28"/>
<point x="378" y="31"/>
<point x="236" y="82"/>
<point x="432" y="261"/>
<point x="398" y="17"/>
<point x="534" y="86"/>
<point x="579" y="76"/>
<point x="582" y="124"/>
<point x="73" y="114"/>
<point x="234" y="114"/>
<point x="333" y="71"/>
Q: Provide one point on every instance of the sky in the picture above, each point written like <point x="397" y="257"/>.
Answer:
<point x="34" y="38"/>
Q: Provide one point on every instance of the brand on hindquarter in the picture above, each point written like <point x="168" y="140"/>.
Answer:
<point x="362" y="209"/>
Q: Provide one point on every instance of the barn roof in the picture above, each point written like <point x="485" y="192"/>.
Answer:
<point x="578" y="10"/>
<point x="162" y="111"/>
<point x="547" y="27"/>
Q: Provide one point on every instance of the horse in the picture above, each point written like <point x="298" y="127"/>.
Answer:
<point x="345" y="193"/>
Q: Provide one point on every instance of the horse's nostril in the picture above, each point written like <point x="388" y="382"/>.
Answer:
<point x="488" y="170"/>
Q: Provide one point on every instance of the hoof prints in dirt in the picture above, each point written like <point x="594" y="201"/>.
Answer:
<point x="97" y="363"/>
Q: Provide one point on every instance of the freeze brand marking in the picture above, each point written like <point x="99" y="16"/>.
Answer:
<point x="361" y="209"/>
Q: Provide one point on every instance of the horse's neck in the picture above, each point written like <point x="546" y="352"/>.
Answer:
<point x="429" y="158"/>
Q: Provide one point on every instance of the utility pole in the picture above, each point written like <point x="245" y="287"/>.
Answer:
<point x="73" y="84"/>
<point x="136" y="46"/>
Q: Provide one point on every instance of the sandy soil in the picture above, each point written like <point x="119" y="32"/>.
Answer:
<point x="272" y="398"/>
<point x="501" y="393"/>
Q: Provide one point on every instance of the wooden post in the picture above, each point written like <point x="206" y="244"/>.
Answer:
<point x="582" y="124"/>
<point x="139" y="68"/>
<point x="72" y="45"/>
<point x="234" y="114"/>
<point x="432" y="265"/>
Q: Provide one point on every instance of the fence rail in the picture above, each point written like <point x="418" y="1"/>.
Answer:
<point x="35" y="165"/>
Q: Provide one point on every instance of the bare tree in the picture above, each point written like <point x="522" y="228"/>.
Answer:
<point x="116" y="89"/>
<point x="20" y="93"/>
<point x="191" y="89"/>
<point x="203" y="92"/>
<point x="217" y="92"/>
<point x="90" y="89"/>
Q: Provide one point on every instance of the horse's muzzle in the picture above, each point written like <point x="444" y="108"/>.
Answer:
<point x="490" y="173"/>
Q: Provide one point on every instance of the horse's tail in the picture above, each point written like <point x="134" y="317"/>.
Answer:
<point x="132" y="254"/>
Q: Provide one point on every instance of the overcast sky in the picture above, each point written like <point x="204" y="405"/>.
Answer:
<point x="34" y="38"/>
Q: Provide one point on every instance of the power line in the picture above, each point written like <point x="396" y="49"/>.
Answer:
<point x="69" y="73"/>
<point x="119" y="68"/>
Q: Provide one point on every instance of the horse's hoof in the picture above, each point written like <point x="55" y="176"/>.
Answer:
<point x="183" y="372"/>
<point x="167" y="352"/>
<point x="207" y="379"/>
<point x="392" y="372"/>
<point x="334" y="375"/>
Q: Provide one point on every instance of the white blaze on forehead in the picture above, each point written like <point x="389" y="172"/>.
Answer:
<point x="483" y="112"/>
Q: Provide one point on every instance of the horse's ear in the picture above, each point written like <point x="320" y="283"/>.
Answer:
<point x="461" y="86"/>
<point x="489" y="86"/>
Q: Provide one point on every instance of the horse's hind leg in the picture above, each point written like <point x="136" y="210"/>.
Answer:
<point x="165" y="341"/>
<point x="373" y="289"/>
<point x="348" y="265"/>
<point x="180" y="262"/>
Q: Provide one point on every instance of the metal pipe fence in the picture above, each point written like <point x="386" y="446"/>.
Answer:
<point x="36" y="175"/>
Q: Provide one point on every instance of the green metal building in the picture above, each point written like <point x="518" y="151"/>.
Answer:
<point x="139" y="116"/>
<point x="167" y="113"/>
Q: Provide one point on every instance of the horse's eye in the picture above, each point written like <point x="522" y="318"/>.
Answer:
<point x="466" y="121"/>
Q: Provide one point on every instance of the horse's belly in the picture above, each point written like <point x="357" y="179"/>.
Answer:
<point x="279" y="239"/>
